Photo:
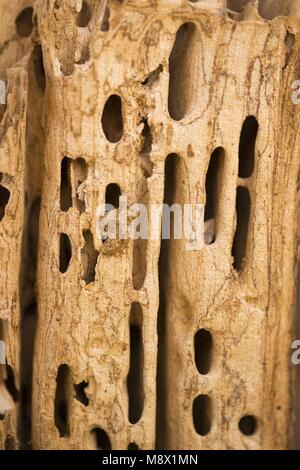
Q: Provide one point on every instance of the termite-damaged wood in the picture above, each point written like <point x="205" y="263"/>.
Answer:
<point x="12" y="156"/>
<point x="164" y="100"/>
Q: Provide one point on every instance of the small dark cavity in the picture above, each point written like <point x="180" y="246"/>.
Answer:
<point x="4" y="199"/>
<point x="248" y="425"/>
<point x="153" y="76"/>
<point x="39" y="67"/>
<point x="135" y="378"/>
<point x="203" y="345"/>
<point x="184" y="65"/>
<point x="101" y="439"/>
<point x="112" y="119"/>
<point x="89" y="257"/>
<point x="84" y="16"/>
<point x="61" y="400"/>
<point x="247" y="147"/>
<point x="80" y="394"/>
<point x="269" y="10"/>
<point x="24" y="22"/>
<point x="236" y="5"/>
<point x="11" y="384"/>
<point x="202" y="414"/>
<point x="112" y="195"/>
<point x="65" y="252"/>
<point x="133" y="446"/>
<point x="65" y="185"/>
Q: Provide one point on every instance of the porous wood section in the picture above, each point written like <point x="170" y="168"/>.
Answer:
<point x="12" y="158"/>
<point x="147" y="343"/>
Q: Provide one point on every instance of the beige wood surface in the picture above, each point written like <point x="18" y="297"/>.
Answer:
<point x="147" y="343"/>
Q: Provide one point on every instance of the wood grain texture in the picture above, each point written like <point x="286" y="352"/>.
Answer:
<point x="146" y="95"/>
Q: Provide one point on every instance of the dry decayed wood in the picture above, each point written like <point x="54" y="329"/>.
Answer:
<point x="146" y="343"/>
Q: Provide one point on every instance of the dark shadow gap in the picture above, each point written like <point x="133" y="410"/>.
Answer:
<point x="89" y="258"/>
<point x="213" y="187"/>
<point x="24" y="22"/>
<point x="105" y="21"/>
<point x="112" y="195"/>
<point x="132" y="446"/>
<point x="65" y="185"/>
<point x="135" y="378"/>
<point x="236" y="5"/>
<point x="269" y="9"/>
<point x="202" y="414"/>
<point x="171" y="175"/>
<point x="84" y="16"/>
<point x="101" y="439"/>
<point x="4" y="200"/>
<point x="248" y="425"/>
<point x="203" y="347"/>
<point x="247" y="147"/>
<point x="39" y="69"/>
<point x="61" y="400"/>
<point x="112" y="119"/>
<point x="65" y="252"/>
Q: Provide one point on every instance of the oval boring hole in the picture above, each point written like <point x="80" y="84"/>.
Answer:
<point x="89" y="257"/>
<point x="203" y="345"/>
<point x="247" y="147"/>
<point x="184" y="66"/>
<point x="101" y="439"/>
<point x="248" y="425"/>
<point x="24" y="22"/>
<point x="269" y="9"/>
<point x="239" y="247"/>
<point x="84" y="16"/>
<point x="65" y="252"/>
<point x="112" y="196"/>
<point x="63" y="394"/>
<point x="135" y="379"/>
<point x="4" y="199"/>
<point x="65" y="185"/>
<point x="112" y="119"/>
<point x="202" y="414"/>
<point x="213" y="187"/>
